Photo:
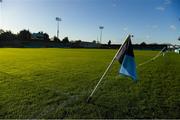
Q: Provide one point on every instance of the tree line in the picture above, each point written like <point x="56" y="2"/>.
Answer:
<point x="26" y="35"/>
<point x="26" y="38"/>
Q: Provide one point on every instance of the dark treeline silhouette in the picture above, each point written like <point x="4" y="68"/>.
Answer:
<point x="27" y="39"/>
<point x="37" y="40"/>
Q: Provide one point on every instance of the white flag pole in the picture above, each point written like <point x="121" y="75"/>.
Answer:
<point x="109" y="66"/>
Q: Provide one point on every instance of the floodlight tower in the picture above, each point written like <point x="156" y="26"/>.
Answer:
<point x="1" y="14"/>
<point x="101" y="28"/>
<point x="58" y="20"/>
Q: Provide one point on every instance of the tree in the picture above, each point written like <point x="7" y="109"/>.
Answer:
<point x="55" y="39"/>
<point x="94" y="41"/>
<point x="179" y="38"/>
<point x="143" y="44"/>
<point x="65" y="40"/>
<point x="24" y="35"/>
<point x="8" y="39"/>
<point x="109" y="43"/>
<point x="1" y="31"/>
<point x="46" y="37"/>
<point x="7" y="36"/>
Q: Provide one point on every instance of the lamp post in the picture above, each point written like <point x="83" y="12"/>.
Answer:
<point x="101" y="28"/>
<point x="58" y="20"/>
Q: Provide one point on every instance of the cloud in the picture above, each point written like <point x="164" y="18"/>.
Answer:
<point x="114" y="5"/>
<point x="152" y="26"/>
<point x="125" y="29"/>
<point x="167" y="2"/>
<point x="164" y="5"/>
<point x="155" y="26"/>
<point x="172" y="27"/>
<point x="160" y="8"/>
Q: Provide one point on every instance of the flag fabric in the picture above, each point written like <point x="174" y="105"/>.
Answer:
<point x="126" y="59"/>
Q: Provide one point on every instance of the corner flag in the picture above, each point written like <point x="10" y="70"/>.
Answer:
<point x="126" y="59"/>
<point x="125" y="56"/>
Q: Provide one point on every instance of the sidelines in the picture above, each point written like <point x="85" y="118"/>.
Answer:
<point x="155" y="57"/>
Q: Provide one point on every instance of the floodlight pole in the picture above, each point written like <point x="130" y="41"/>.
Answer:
<point x="57" y="29"/>
<point x="58" y="20"/>
<point x="1" y="14"/>
<point x="101" y="28"/>
<point x="107" y="69"/>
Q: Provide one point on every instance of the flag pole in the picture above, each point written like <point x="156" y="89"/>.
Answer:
<point x="107" y="69"/>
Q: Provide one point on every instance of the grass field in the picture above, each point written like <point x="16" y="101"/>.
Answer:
<point x="55" y="83"/>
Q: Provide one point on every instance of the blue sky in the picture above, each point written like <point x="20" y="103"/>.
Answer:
<point x="152" y="21"/>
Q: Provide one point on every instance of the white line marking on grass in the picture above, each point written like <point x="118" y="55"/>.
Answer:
<point x="52" y="108"/>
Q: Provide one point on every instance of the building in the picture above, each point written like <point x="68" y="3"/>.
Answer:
<point x="39" y="36"/>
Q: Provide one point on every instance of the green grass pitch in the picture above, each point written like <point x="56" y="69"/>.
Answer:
<point x="55" y="83"/>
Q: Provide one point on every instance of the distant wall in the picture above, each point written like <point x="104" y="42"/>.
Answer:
<point x="137" y="47"/>
<point x="35" y="43"/>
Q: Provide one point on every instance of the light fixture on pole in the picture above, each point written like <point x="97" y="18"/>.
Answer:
<point x="58" y="20"/>
<point x="101" y="28"/>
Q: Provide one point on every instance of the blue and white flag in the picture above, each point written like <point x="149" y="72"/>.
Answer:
<point x="126" y="59"/>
